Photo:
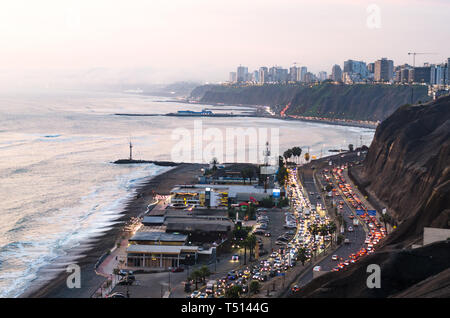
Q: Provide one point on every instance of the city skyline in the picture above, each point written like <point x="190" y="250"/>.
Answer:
<point x="67" y="43"/>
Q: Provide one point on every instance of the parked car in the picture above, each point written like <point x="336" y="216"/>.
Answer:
<point x="177" y="269"/>
<point x="117" y="295"/>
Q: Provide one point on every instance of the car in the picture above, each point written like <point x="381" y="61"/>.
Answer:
<point x="117" y="295"/>
<point x="346" y="241"/>
<point x="350" y="229"/>
<point x="235" y="258"/>
<point x="334" y="257"/>
<point x="295" y="288"/>
<point x="124" y="272"/>
<point x="177" y="269"/>
<point x="195" y="294"/>
<point x="267" y="234"/>
<point x="317" y="268"/>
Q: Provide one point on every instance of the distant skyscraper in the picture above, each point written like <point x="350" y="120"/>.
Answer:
<point x="384" y="70"/>
<point x="233" y="77"/>
<point x="371" y="68"/>
<point x="242" y="74"/>
<point x="255" y="77"/>
<point x="293" y="73"/>
<point x="421" y="74"/>
<point x="263" y="74"/>
<point x="322" y="76"/>
<point x="303" y="71"/>
<point x="356" y="67"/>
<point x="336" y="73"/>
<point x="447" y="79"/>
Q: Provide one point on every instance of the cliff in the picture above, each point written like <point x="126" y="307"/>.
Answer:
<point x="355" y="102"/>
<point x="407" y="169"/>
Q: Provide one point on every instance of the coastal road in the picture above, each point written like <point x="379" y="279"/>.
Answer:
<point x="356" y="237"/>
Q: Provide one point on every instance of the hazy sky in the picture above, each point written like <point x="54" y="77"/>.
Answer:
<point x="69" y="42"/>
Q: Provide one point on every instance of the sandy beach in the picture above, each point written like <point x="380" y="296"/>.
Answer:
<point x="87" y="254"/>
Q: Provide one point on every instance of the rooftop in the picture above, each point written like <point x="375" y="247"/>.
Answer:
<point x="161" y="249"/>
<point x="158" y="236"/>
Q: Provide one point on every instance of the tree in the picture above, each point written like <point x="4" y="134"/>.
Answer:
<point x="282" y="175"/>
<point x="250" y="173"/>
<point x="302" y="255"/>
<point x="307" y="156"/>
<point x="287" y="154"/>
<point x="350" y="147"/>
<point x="233" y="292"/>
<point x="251" y="243"/>
<point x="297" y="151"/>
<point x="267" y="202"/>
<point x="255" y="286"/>
<point x="328" y="187"/>
<point x="204" y="272"/>
<point x="196" y="277"/>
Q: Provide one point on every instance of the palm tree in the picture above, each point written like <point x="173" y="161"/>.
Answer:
<point x="204" y="272"/>
<point x="244" y="174"/>
<point x="297" y="151"/>
<point x="302" y="255"/>
<point x="287" y="154"/>
<point x="195" y="276"/>
<point x="251" y="243"/>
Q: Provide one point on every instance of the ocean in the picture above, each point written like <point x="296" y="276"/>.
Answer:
<point x="58" y="186"/>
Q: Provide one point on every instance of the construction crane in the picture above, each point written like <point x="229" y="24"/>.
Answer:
<point x="416" y="53"/>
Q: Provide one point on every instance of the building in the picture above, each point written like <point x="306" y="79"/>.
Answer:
<point x="310" y="78"/>
<point x="158" y="238"/>
<point x="263" y="74"/>
<point x="323" y="76"/>
<point x="336" y="73"/>
<point x="356" y="68"/>
<point x="371" y="68"/>
<point x="383" y="71"/>
<point x="293" y="73"/>
<point x="303" y="71"/>
<point x="242" y="74"/>
<point x="420" y="75"/>
<point x="233" y="77"/>
<point x="160" y="256"/>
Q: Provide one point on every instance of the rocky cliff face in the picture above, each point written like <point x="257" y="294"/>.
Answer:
<point x="356" y="102"/>
<point x="408" y="168"/>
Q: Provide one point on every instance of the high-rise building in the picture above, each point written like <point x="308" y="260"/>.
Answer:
<point x="384" y="70"/>
<point x="322" y="76"/>
<point x="293" y="73"/>
<point x="242" y="74"/>
<point x="447" y="78"/>
<point x="356" y="67"/>
<point x="371" y="68"/>
<point x="336" y="73"/>
<point x="420" y="74"/>
<point x="255" y="77"/>
<point x="310" y="77"/>
<point x="273" y="74"/>
<point x="303" y="71"/>
<point x="233" y="77"/>
<point x="263" y="74"/>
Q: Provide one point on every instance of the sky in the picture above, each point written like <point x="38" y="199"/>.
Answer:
<point x="53" y="43"/>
